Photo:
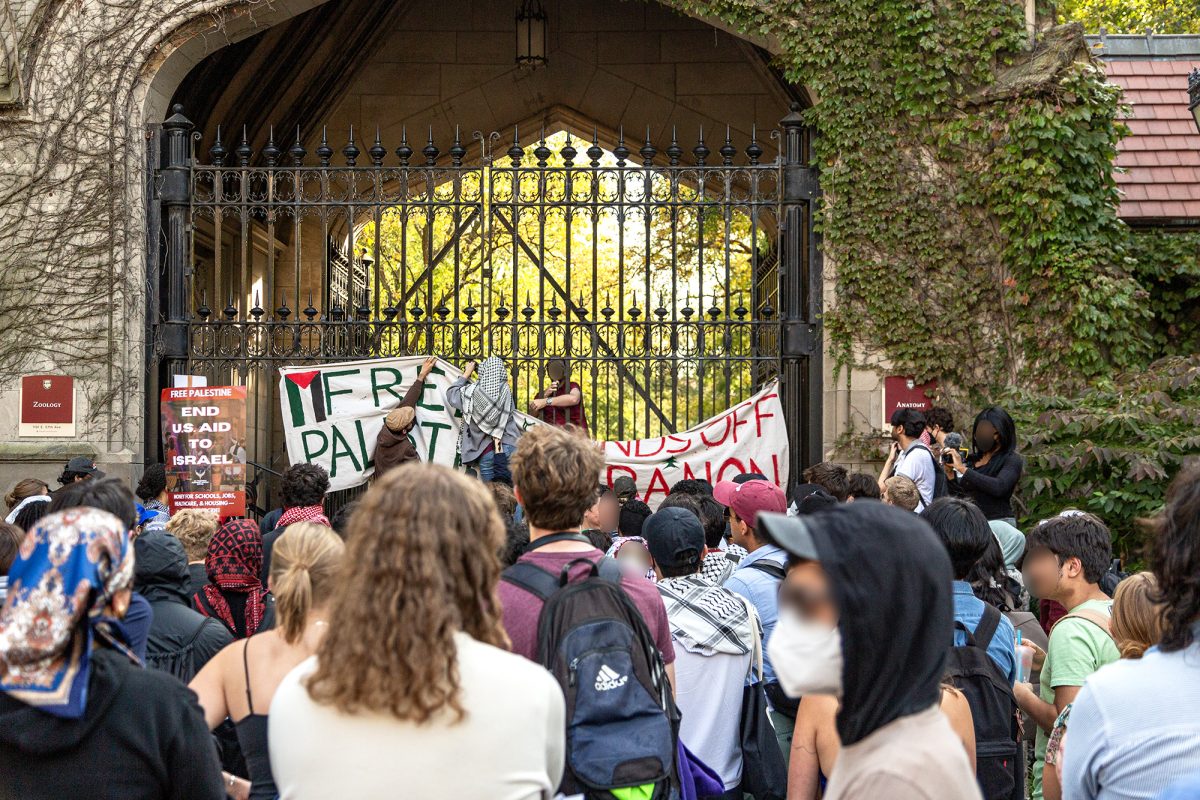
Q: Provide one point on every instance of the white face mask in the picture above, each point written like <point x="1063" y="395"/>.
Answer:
<point x="806" y="655"/>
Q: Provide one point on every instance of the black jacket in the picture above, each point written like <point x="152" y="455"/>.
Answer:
<point x="181" y="639"/>
<point x="142" y="737"/>
<point x="991" y="486"/>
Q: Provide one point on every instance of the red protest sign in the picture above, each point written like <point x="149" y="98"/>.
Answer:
<point x="204" y="433"/>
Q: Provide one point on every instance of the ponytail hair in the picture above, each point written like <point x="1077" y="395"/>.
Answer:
<point x="304" y="567"/>
<point x="28" y="487"/>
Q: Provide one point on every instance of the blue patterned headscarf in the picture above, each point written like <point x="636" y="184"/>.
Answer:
<point x="59" y="590"/>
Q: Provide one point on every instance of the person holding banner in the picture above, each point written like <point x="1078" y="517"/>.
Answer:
<point x="489" y="417"/>
<point x="562" y="402"/>
<point x="393" y="447"/>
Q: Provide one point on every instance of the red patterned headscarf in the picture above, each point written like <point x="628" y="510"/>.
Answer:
<point x="233" y="563"/>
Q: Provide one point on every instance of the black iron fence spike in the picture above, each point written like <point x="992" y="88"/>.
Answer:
<point x="271" y="151"/>
<point x="324" y="151"/>
<point x="216" y="153"/>
<point x="377" y="151"/>
<point x="297" y="150"/>
<point x="351" y="151"/>
<point x="430" y="150"/>
<point x="727" y="150"/>
<point x="404" y="152"/>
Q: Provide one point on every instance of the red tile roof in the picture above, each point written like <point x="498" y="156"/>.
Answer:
<point x="1161" y="155"/>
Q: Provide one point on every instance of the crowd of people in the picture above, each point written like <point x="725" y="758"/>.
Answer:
<point x="527" y="632"/>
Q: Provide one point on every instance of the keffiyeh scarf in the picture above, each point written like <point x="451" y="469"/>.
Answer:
<point x="303" y="514"/>
<point x="233" y="563"/>
<point x="488" y="403"/>
<point x="707" y="618"/>
<point x="60" y="587"/>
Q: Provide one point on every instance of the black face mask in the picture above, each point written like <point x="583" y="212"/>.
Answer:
<point x="984" y="442"/>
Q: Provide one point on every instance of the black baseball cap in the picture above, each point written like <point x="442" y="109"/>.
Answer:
<point x="793" y="534"/>
<point x="675" y="538"/>
<point x="85" y="465"/>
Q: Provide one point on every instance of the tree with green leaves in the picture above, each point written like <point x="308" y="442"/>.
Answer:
<point x="1133" y="16"/>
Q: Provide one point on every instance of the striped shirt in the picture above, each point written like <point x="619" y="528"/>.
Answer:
<point x="1135" y="727"/>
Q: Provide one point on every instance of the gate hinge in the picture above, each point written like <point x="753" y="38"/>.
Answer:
<point x="802" y="338"/>
<point x="800" y="183"/>
<point x="171" y="339"/>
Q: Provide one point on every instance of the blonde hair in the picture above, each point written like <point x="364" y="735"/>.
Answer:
<point x="1137" y="619"/>
<point x="305" y="561"/>
<point x="194" y="528"/>
<point x="421" y="564"/>
<point x="900" y="491"/>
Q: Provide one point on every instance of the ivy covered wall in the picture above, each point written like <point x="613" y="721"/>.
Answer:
<point x="971" y="220"/>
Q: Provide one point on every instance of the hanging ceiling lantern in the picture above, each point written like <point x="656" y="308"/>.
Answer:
<point x="531" y="34"/>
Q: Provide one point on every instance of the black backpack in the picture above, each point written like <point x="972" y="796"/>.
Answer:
<point x="972" y="671"/>
<point x="622" y="721"/>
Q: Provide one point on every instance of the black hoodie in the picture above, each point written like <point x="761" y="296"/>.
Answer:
<point x="890" y="578"/>
<point x="181" y="639"/>
<point x="142" y="737"/>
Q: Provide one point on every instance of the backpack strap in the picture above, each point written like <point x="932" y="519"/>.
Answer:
<point x="1095" y="617"/>
<point x="609" y="569"/>
<point x="958" y="626"/>
<point x="542" y="584"/>
<point x="987" y="626"/>
<point x="770" y="567"/>
<point x="569" y="536"/>
<point x="533" y="579"/>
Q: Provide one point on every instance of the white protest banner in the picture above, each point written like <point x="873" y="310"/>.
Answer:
<point x="750" y="437"/>
<point x="332" y="415"/>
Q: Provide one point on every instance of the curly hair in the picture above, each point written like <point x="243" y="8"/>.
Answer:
<point x="153" y="482"/>
<point x="419" y="567"/>
<point x="1137" y="617"/>
<point x="833" y="478"/>
<point x="556" y="471"/>
<point x="900" y="491"/>
<point x="304" y="569"/>
<point x="304" y="485"/>
<point x="194" y="528"/>
<point x="863" y="486"/>
<point x="1175" y="559"/>
<point x="506" y="501"/>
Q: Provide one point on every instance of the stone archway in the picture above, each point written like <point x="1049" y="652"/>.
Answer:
<point x="94" y="75"/>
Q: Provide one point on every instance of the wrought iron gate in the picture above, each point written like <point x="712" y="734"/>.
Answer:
<point x="673" y="289"/>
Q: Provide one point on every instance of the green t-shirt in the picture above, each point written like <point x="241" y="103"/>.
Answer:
<point x="1077" y="649"/>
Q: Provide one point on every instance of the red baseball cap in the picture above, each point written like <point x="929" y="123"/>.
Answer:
<point x="749" y="499"/>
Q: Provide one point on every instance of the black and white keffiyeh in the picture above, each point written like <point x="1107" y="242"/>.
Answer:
<point x="707" y="617"/>
<point x="488" y="403"/>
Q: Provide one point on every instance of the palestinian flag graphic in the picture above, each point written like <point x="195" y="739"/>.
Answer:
<point x="306" y="397"/>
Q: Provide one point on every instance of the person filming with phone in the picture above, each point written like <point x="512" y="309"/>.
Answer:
<point x="988" y="475"/>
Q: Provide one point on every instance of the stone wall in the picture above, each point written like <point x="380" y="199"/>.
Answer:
<point x="73" y="176"/>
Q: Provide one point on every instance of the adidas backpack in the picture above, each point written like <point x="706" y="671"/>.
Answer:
<point x="622" y="722"/>
<point x="969" y="668"/>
